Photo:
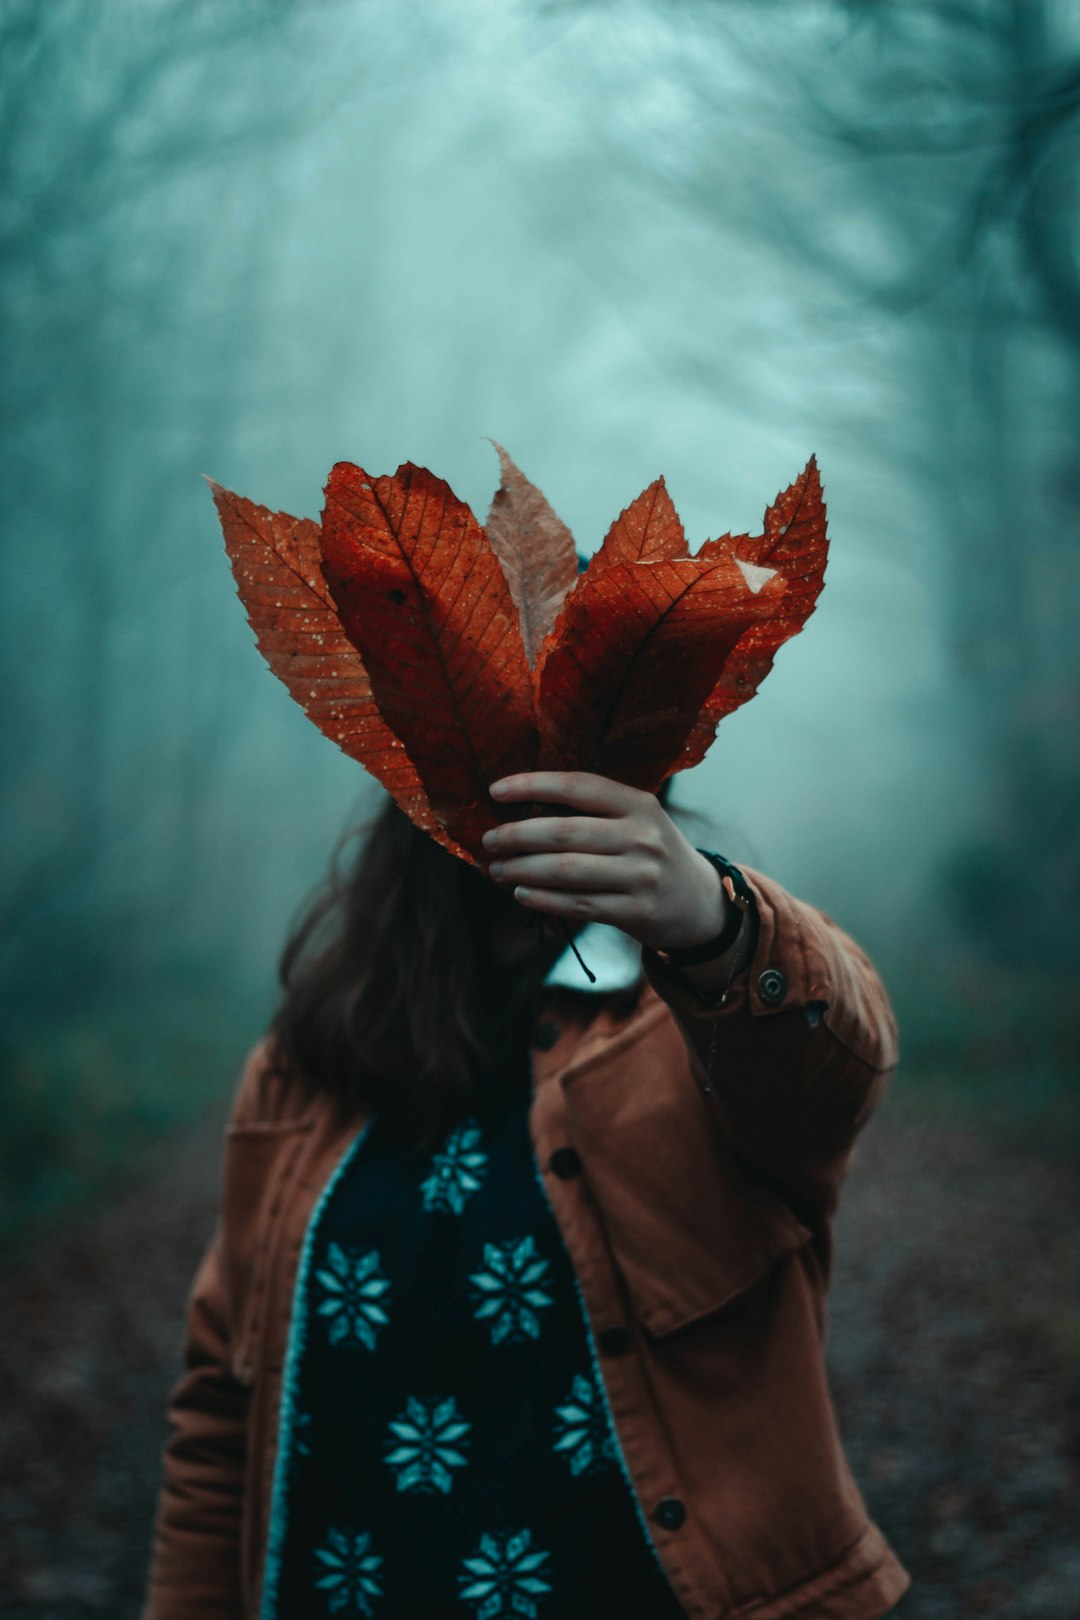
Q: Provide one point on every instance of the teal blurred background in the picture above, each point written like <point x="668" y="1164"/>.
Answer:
<point x="706" y="240"/>
<point x="703" y="240"/>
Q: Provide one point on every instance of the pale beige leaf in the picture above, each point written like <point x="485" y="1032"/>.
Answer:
<point x="536" y="551"/>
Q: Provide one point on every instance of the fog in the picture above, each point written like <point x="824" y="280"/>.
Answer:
<point x="704" y="241"/>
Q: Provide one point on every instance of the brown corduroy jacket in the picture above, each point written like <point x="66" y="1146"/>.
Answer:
<point x="708" y="1151"/>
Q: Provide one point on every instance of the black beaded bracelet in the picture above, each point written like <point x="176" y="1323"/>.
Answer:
<point x="740" y="900"/>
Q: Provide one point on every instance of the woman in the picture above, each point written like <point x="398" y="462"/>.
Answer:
<point x="516" y="1302"/>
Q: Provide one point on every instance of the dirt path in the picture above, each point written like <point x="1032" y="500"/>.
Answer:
<point x="953" y="1350"/>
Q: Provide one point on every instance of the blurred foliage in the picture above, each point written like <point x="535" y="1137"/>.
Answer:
<point x="1000" y="1046"/>
<point x="1016" y="890"/>
<point x="102" y="1051"/>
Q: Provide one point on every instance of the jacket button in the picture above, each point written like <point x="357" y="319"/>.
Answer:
<point x="772" y="987"/>
<point x="669" y="1513"/>
<point x="614" y="1341"/>
<point x="545" y="1034"/>
<point x="565" y="1163"/>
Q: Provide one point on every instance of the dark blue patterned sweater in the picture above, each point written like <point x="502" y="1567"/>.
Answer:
<point x="446" y="1449"/>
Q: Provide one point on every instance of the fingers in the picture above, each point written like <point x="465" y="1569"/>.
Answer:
<point x="549" y="834"/>
<point x="598" y="861"/>
<point x="618" y="909"/>
<point x="581" y="790"/>
<point x="576" y="872"/>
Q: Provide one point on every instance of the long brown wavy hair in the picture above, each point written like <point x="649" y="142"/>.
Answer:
<point x="394" y="998"/>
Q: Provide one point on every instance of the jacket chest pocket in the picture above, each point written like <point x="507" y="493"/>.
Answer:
<point x="259" y="1171"/>
<point x="690" y="1229"/>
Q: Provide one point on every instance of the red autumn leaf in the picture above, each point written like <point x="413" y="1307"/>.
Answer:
<point x="648" y="530"/>
<point x="795" y="543"/>
<point x="443" y="657"/>
<point x="421" y="594"/>
<point x="276" y="563"/>
<point x="635" y="653"/>
<point x="536" y="550"/>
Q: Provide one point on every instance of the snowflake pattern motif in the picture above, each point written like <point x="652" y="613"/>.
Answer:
<point x="507" y="1291"/>
<point x="581" y="1429"/>
<point x="348" y="1572"/>
<point x="427" y="1443"/>
<point x="456" y="1170"/>
<point x="354" y="1289"/>
<point x="505" y="1577"/>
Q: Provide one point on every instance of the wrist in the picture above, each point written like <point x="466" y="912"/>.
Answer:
<point x="715" y="976"/>
<point x="712" y="981"/>
<point x="735" y="900"/>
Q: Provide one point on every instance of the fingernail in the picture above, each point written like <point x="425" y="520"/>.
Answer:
<point x="497" y="789"/>
<point x="495" y="869"/>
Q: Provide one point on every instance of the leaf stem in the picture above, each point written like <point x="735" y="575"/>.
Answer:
<point x="569" y="938"/>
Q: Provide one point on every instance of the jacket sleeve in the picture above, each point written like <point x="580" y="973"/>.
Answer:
<point x="195" y="1560"/>
<point x="801" y="1052"/>
<point x="195" y="1567"/>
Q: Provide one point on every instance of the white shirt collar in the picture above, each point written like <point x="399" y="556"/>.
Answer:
<point x="613" y="956"/>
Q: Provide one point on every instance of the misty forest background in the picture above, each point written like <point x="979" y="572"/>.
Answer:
<point x="249" y="240"/>
<point x="703" y="239"/>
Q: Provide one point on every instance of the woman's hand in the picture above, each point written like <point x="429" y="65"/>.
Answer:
<point x="616" y="856"/>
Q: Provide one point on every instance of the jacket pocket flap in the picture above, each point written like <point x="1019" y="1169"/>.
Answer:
<point x="259" y="1161"/>
<point x="709" y="1277"/>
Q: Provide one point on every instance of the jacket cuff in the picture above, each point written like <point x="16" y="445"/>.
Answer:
<point x="802" y="961"/>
